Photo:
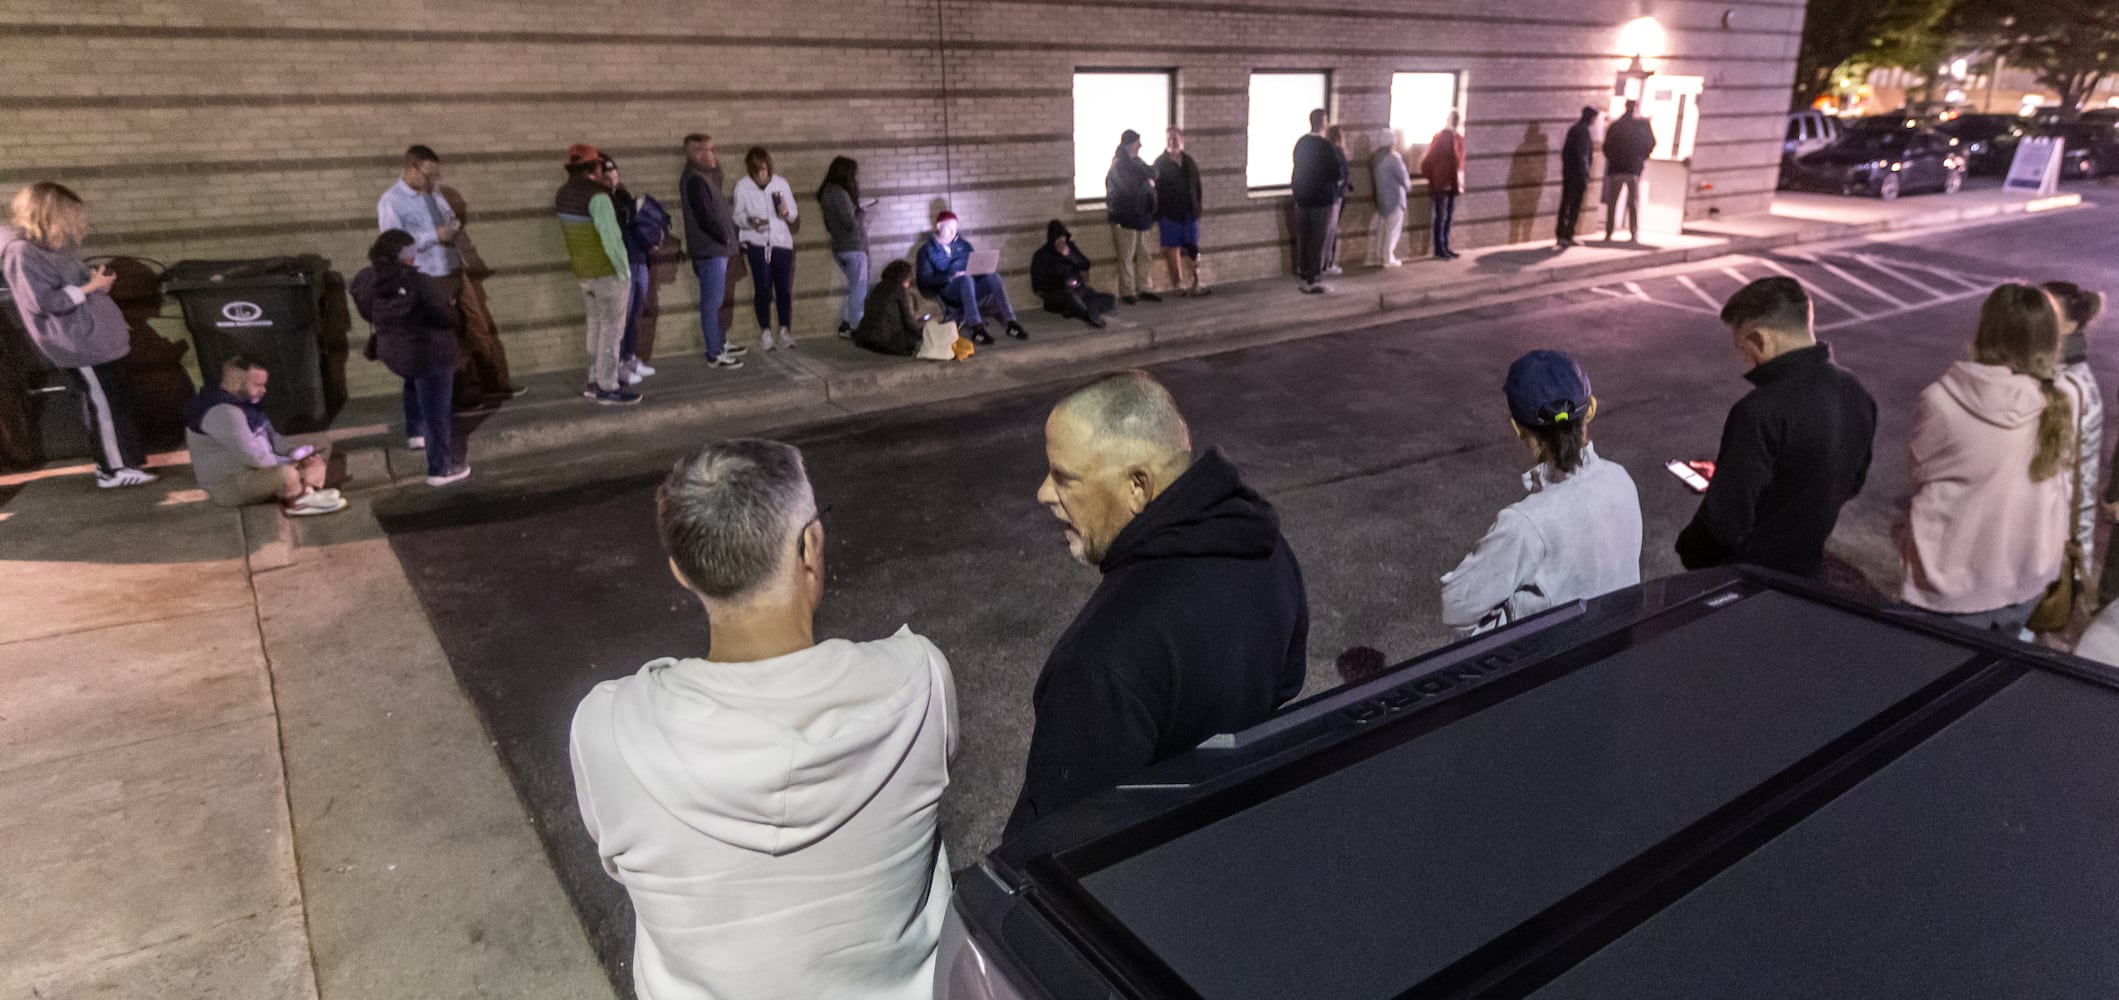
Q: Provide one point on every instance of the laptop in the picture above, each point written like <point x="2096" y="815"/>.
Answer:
<point x="983" y="262"/>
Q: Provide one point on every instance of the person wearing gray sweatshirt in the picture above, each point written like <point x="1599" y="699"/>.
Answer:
<point x="71" y="319"/>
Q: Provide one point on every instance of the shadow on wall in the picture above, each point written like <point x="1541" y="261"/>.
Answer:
<point x="1526" y="182"/>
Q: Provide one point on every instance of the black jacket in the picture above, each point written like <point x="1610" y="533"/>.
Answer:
<point x="1794" y="450"/>
<point x="1577" y="154"/>
<point x="1628" y="144"/>
<point x="415" y="324"/>
<point x="888" y="325"/>
<point x="1129" y="193"/>
<point x="1179" y="196"/>
<point x="1199" y="627"/>
<point x="1052" y="272"/>
<point x="1319" y="169"/>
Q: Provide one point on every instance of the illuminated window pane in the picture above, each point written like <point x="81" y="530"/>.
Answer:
<point x="1421" y="103"/>
<point x="1105" y="106"/>
<point x="1280" y="114"/>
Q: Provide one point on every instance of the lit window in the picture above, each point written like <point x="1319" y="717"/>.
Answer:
<point x="1280" y="114"/>
<point x="1421" y="103"/>
<point x="1106" y="104"/>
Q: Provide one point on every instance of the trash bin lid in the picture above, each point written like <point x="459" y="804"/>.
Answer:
<point x="260" y="272"/>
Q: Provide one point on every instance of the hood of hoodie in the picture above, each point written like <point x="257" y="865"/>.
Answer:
<point x="1994" y="394"/>
<point x="775" y="755"/>
<point x="1208" y="511"/>
<point x="1056" y="229"/>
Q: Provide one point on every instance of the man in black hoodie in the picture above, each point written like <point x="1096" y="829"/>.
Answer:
<point x="1059" y="274"/>
<point x="1200" y="625"/>
<point x="1319" y="169"/>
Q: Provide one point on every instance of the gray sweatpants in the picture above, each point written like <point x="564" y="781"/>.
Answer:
<point x="604" y="300"/>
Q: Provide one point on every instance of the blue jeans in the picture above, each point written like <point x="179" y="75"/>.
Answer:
<point x="1445" y="214"/>
<point x="772" y="282"/>
<point x="969" y="297"/>
<point x="427" y="415"/>
<point x="854" y="265"/>
<point x="629" y="344"/>
<point x="713" y="287"/>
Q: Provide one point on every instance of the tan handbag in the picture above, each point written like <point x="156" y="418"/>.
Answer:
<point x="2057" y="608"/>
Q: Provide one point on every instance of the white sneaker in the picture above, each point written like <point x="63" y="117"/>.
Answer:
<point x="765" y="340"/>
<point x="416" y="442"/>
<point x="1334" y="270"/>
<point x="1394" y="262"/>
<point x="734" y="350"/>
<point x="643" y="369"/>
<point x="312" y="504"/>
<point x="125" y="477"/>
<point x="456" y="475"/>
<point x="632" y="378"/>
<point x="724" y="361"/>
<point x="787" y="340"/>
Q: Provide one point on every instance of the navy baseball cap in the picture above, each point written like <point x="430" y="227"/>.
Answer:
<point x="1547" y="389"/>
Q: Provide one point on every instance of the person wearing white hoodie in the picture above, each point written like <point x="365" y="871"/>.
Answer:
<point x="1992" y="443"/>
<point x="771" y="807"/>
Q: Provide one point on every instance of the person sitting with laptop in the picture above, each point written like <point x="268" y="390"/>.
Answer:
<point x="964" y="281"/>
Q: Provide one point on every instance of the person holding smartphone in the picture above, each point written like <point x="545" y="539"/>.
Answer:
<point x="67" y="310"/>
<point x="1576" y="536"/>
<point x="765" y="221"/>
<point x="239" y="459"/>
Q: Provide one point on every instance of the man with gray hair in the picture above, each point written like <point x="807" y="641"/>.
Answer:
<point x="1200" y="625"/>
<point x="771" y="807"/>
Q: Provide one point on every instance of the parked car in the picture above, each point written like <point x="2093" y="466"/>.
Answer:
<point x="1719" y="786"/>
<point x="1987" y="142"/>
<point x="1808" y="132"/>
<point x="2089" y="147"/>
<point x="1881" y="157"/>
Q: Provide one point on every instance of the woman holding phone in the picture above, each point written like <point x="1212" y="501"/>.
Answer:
<point x="70" y="317"/>
<point x="846" y="218"/>
<point x="765" y="219"/>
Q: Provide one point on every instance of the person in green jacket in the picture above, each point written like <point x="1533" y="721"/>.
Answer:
<point x="596" y="250"/>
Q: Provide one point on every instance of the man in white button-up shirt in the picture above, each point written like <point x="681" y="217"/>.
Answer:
<point x="414" y="204"/>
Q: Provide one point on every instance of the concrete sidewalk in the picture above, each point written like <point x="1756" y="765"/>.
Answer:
<point x="234" y="761"/>
<point x="827" y="376"/>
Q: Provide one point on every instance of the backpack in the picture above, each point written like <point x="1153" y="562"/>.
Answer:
<point x="651" y="222"/>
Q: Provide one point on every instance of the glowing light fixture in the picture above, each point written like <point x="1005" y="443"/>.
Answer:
<point x="1642" y="38"/>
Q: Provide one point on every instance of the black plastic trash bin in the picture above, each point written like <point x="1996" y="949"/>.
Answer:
<point x="269" y="309"/>
<point x="39" y="412"/>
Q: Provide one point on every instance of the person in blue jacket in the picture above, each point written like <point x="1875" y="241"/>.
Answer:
<point x="941" y="263"/>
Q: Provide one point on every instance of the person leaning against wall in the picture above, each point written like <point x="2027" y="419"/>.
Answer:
<point x="1130" y="204"/>
<point x="1180" y="200"/>
<point x="709" y="240"/>
<point x="68" y="312"/>
<point x="766" y="217"/>
<point x="846" y="219"/>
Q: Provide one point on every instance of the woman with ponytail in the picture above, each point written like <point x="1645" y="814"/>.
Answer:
<point x="1992" y="470"/>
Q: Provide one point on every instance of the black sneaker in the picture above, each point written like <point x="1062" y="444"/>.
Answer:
<point x="845" y="331"/>
<point x="615" y="397"/>
<point x="1128" y="299"/>
<point x="980" y="336"/>
<point x="1094" y="321"/>
<point x="1148" y="296"/>
<point x="1016" y="330"/>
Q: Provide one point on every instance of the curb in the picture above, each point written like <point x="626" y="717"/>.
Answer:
<point x="1038" y="362"/>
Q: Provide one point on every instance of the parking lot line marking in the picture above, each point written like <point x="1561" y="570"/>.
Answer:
<point x="1739" y="275"/>
<point x="1954" y="297"/>
<point x="1841" y="274"/>
<point x="1703" y="296"/>
<point x="1965" y="278"/>
<point x="1884" y="267"/>
<point x="1639" y="296"/>
<point x="1813" y="289"/>
<point x="1639" y="293"/>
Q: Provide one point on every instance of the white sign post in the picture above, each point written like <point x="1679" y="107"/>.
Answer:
<point x="2036" y="169"/>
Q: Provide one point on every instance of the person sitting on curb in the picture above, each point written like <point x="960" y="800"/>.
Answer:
<point x="771" y="805"/>
<point x="1059" y="274"/>
<point x="1578" y="533"/>
<point x="239" y="459"/>
<point x="942" y="260"/>
<point x="889" y="324"/>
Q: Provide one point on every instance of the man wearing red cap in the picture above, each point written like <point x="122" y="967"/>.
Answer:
<point x="943" y="262"/>
<point x="596" y="250"/>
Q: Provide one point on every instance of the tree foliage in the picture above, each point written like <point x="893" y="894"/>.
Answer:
<point x="1912" y="34"/>
<point x="2072" y="45"/>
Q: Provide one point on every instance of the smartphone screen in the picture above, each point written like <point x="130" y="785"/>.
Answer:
<point x="777" y="206"/>
<point x="1691" y="473"/>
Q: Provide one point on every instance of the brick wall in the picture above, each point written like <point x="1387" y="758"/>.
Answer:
<point x="213" y="128"/>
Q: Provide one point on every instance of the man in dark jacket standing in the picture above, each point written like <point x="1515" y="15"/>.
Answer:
<point x="1794" y="450"/>
<point x="1315" y="187"/>
<point x="1130" y="203"/>
<point x="1200" y="625"/>
<point x="710" y="239"/>
<point x="1577" y="156"/>
<point x="1627" y="146"/>
<point x="1179" y="201"/>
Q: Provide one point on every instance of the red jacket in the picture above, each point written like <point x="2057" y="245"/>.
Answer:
<point x="1444" y="162"/>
